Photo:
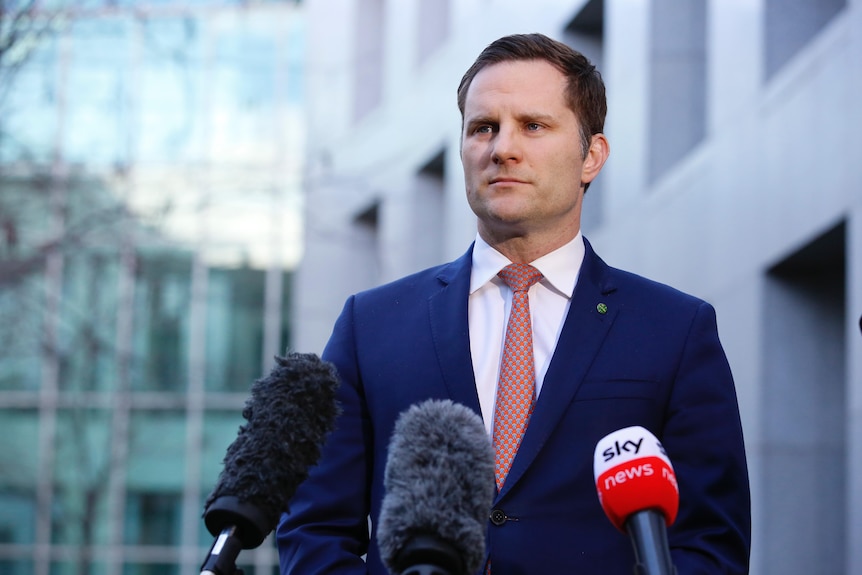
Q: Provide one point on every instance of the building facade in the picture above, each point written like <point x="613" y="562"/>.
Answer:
<point x="150" y="160"/>
<point x="734" y="175"/>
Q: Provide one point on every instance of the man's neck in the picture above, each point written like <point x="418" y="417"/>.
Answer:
<point x="526" y="248"/>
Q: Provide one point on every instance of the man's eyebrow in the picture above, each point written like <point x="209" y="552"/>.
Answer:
<point x="480" y="119"/>
<point x="542" y="117"/>
<point x="537" y="117"/>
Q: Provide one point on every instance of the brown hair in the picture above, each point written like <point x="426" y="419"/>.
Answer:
<point x="585" y="91"/>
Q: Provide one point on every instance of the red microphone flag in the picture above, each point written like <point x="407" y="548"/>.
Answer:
<point x="633" y="473"/>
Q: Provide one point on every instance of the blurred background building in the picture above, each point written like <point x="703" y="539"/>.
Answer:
<point x="150" y="169"/>
<point x="188" y="187"/>
<point x="734" y="174"/>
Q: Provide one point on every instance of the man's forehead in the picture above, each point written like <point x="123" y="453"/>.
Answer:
<point x="518" y="76"/>
<point x="524" y="86"/>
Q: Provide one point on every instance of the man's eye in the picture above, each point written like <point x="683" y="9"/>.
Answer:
<point x="533" y="126"/>
<point x="484" y="129"/>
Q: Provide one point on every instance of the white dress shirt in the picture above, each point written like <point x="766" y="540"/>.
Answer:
<point x="491" y="300"/>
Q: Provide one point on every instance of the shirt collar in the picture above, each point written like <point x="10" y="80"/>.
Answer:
<point x="560" y="267"/>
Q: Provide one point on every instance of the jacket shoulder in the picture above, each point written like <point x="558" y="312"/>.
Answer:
<point x="421" y="283"/>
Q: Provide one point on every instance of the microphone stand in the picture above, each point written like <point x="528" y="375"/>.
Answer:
<point x="649" y="539"/>
<point x="240" y="525"/>
<point x="221" y="559"/>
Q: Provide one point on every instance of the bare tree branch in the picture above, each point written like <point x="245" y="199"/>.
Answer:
<point x="23" y="27"/>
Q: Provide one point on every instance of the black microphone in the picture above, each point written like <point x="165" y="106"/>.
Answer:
<point x="439" y="482"/>
<point x="289" y="414"/>
<point x="638" y="491"/>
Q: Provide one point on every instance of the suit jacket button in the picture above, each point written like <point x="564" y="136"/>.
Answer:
<point x="498" y="517"/>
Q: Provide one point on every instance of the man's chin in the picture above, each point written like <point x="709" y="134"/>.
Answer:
<point x="510" y="215"/>
<point x="502" y="224"/>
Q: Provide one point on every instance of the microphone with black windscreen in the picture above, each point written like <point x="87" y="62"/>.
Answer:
<point x="638" y="491"/>
<point x="288" y="415"/>
<point x="439" y="482"/>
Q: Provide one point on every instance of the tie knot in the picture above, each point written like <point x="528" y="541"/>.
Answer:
<point x="520" y="277"/>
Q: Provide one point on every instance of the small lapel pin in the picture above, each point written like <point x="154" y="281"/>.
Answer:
<point x="602" y="308"/>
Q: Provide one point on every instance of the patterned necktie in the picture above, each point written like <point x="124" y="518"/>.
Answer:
<point x="517" y="384"/>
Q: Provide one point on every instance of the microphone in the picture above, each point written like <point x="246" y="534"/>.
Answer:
<point x="439" y="482"/>
<point x="288" y="415"/>
<point x="638" y="491"/>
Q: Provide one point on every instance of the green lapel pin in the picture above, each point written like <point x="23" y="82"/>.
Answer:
<point x="602" y="308"/>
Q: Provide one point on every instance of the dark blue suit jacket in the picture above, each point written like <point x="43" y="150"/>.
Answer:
<point x="652" y="359"/>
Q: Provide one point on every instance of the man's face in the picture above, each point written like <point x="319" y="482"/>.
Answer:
<point x="521" y="152"/>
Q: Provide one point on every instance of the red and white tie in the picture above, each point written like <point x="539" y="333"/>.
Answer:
<point x="516" y="388"/>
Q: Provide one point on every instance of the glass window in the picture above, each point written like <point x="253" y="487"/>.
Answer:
<point x="21" y="327"/>
<point x="150" y="569"/>
<point x="234" y="328"/>
<point x="88" y="348"/>
<point x="16" y="566"/>
<point x="153" y="518"/>
<point x="163" y="300"/>
<point x="82" y="470"/>
<point x="157" y="451"/>
<point x="96" y="92"/>
<point x="19" y="467"/>
<point x="17" y="517"/>
<point x="168" y="98"/>
<point x="83" y="565"/>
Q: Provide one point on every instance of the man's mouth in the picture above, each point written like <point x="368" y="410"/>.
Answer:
<point x="506" y="180"/>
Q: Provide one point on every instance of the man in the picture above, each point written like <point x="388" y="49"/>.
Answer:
<point x="610" y="350"/>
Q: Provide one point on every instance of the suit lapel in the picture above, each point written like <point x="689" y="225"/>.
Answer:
<point x="448" y="315"/>
<point x="585" y="328"/>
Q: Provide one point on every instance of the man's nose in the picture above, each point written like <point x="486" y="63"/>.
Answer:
<point x="507" y="145"/>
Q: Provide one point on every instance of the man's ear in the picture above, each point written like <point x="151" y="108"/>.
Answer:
<point x="596" y="157"/>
